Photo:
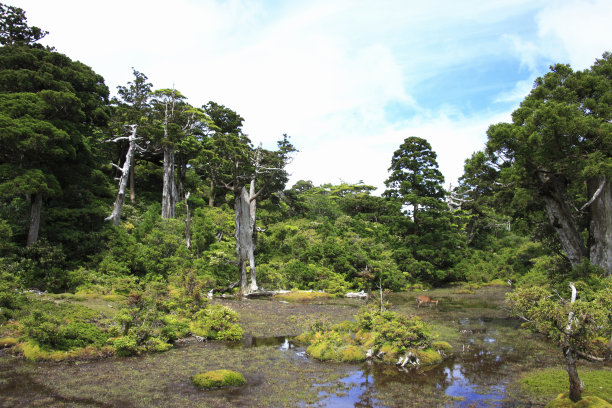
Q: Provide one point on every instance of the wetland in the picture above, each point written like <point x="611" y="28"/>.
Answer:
<point x="490" y="353"/>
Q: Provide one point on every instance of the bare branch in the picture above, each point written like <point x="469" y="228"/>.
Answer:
<point x="589" y="357"/>
<point x="597" y="193"/>
<point x="117" y="167"/>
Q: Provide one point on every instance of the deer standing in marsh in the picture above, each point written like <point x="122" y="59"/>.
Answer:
<point x="427" y="300"/>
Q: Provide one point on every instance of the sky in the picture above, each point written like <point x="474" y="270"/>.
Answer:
<point x="347" y="80"/>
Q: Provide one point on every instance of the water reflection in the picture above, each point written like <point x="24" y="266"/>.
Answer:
<point x="475" y="376"/>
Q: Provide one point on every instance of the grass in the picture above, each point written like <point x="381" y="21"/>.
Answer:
<point x="549" y="382"/>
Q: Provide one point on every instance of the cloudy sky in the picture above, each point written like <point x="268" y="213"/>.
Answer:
<point x="347" y="80"/>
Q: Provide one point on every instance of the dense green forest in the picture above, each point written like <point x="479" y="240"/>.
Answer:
<point x="144" y="194"/>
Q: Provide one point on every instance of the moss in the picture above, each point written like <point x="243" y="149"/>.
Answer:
<point x="497" y="282"/>
<point x="8" y="342"/>
<point x="218" y="379"/>
<point x="366" y="338"/>
<point x="553" y="381"/>
<point x="32" y="351"/>
<point x="322" y="351"/>
<point x="442" y="346"/>
<point x="429" y="356"/>
<point x="352" y="354"/>
<point x="303" y="296"/>
<point x="587" y="401"/>
<point x="304" y="338"/>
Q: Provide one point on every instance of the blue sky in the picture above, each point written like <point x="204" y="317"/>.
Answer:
<point x="348" y="80"/>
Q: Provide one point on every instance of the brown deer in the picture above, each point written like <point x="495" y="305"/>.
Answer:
<point x="427" y="300"/>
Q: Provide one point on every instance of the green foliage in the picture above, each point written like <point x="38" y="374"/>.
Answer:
<point x="59" y="332"/>
<point x="216" y="322"/>
<point x="14" y="29"/>
<point x="386" y="334"/>
<point x="546" y="312"/>
<point x="218" y="379"/>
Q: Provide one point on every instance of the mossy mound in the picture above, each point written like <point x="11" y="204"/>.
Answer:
<point x="429" y="356"/>
<point x="442" y="346"/>
<point x="326" y="351"/>
<point x="303" y="296"/>
<point x="388" y="336"/>
<point x="218" y="379"/>
<point x="8" y="342"/>
<point x="587" y="401"/>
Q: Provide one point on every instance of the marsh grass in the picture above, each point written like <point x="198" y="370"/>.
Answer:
<point x="545" y="384"/>
<point x="496" y="355"/>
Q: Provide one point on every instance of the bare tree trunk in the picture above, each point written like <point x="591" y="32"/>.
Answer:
<point x="553" y="193"/>
<point x="187" y="222"/>
<point x="252" y="218"/>
<point x="132" y="185"/>
<point x="35" y="207"/>
<point x="601" y="223"/>
<point x="123" y="181"/>
<point x="243" y="235"/>
<point x="168" y="188"/>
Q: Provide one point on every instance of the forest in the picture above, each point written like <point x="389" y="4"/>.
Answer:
<point x="141" y="197"/>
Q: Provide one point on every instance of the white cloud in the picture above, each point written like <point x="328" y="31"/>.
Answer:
<point x="325" y="71"/>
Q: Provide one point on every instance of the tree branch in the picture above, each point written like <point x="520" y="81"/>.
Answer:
<point x="589" y="357"/>
<point x="595" y="195"/>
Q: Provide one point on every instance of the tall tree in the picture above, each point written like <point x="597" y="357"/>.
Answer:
<point x="415" y="178"/>
<point x="130" y="111"/>
<point x="557" y="152"/>
<point x="14" y="29"/>
<point x="49" y="109"/>
<point x="250" y="174"/>
<point x="431" y="243"/>
<point x="180" y="126"/>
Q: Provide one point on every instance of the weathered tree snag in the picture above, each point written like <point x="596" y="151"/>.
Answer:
<point x="187" y="222"/>
<point x="35" y="207"/>
<point x="132" y="185"/>
<point x="123" y="180"/>
<point x="168" y="188"/>
<point x="553" y="192"/>
<point x="600" y="207"/>
<point x="252" y="219"/>
<point x="244" y="241"/>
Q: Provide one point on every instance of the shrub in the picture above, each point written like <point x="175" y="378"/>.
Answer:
<point x="216" y="322"/>
<point x="217" y="379"/>
<point x="125" y="346"/>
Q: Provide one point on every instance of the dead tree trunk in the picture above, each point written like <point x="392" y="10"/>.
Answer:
<point x="187" y="222"/>
<point x="553" y="191"/>
<point x="132" y="185"/>
<point x="252" y="219"/>
<point x="244" y="240"/>
<point x="35" y="207"/>
<point x="600" y="207"/>
<point x="168" y="188"/>
<point x="115" y="216"/>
